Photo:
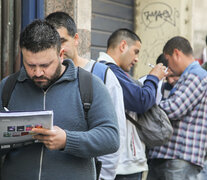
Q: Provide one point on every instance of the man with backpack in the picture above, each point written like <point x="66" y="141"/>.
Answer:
<point x="66" y="27"/>
<point x="122" y="53"/>
<point x="45" y="82"/>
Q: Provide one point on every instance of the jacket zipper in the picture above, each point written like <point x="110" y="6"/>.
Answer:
<point x="41" y="156"/>
<point x="42" y="149"/>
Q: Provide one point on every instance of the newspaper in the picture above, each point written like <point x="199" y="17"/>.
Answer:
<point x="16" y="127"/>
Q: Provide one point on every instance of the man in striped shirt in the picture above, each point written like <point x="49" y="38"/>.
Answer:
<point x="183" y="156"/>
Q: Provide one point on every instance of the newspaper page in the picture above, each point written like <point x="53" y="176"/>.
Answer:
<point x="16" y="127"/>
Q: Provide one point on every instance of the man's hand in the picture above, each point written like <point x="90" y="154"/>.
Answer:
<point x="159" y="70"/>
<point x="54" y="139"/>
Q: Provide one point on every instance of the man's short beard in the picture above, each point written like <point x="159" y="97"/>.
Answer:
<point x="50" y="81"/>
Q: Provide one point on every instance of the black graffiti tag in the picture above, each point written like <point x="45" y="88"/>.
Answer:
<point x="155" y="15"/>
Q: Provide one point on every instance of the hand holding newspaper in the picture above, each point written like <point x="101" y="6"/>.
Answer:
<point x="16" y="127"/>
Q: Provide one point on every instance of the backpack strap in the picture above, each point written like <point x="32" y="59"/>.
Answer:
<point x="100" y="70"/>
<point x="85" y="88"/>
<point x="128" y="117"/>
<point x="86" y="93"/>
<point x="8" y="88"/>
<point x="106" y="63"/>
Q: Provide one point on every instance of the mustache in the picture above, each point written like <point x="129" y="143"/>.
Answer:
<point x="39" y="78"/>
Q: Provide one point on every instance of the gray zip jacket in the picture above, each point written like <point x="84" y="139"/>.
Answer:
<point x="85" y="139"/>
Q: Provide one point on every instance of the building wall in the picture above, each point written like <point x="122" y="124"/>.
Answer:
<point x="199" y="26"/>
<point x="59" y="5"/>
<point x="108" y="16"/>
<point x="157" y="21"/>
<point x="186" y="18"/>
<point x="83" y="11"/>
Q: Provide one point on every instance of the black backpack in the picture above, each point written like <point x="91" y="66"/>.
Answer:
<point x="86" y="93"/>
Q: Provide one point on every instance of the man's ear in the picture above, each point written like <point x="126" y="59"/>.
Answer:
<point x="62" y="54"/>
<point x="76" y="39"/>
<point x="123" y="45"/>
<point x="177" y="53"/>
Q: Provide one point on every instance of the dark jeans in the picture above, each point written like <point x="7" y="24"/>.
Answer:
<point x="136" y="176"/>
<point x="172" y="169"/>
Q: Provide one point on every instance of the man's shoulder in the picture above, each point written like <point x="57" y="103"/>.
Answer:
<point x="197" y="74"/>
<point x="110" y="77"/>
<point x="92" y="66"/>
<point x="197" y="70"/>
<point x="104" y="73"/>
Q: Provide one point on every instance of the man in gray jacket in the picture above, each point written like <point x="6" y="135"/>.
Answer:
<point x="46" y="82"/>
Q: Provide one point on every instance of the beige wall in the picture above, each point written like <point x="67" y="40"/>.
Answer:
<point x="59" y="5"/>
<point x="157" y="21"/>
<point x="199" y="26"/>
<point x="83" y="9"/>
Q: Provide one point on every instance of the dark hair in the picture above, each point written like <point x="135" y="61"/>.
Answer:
<point x="122" y="34"/>
<point x="39" y="36"/>
<point x="179" y="43"/>
<point x="161" y="59"/>
<point x="62" y="19"/>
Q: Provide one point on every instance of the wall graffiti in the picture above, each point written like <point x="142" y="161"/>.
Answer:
<point x="154" y="15"/>
<point x="157" y="22"/>
<point x="151" y="51"/>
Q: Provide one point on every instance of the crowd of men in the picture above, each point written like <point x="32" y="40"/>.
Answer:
<point x="79" y="139"/>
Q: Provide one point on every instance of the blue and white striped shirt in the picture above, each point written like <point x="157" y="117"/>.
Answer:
<point x="186" y="107"/>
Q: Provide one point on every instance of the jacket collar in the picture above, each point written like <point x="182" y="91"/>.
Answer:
<point x="70" y="73"/>
<point x="105" y="57"/>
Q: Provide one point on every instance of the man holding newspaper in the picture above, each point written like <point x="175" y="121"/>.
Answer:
<point x="45" y="82"/>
